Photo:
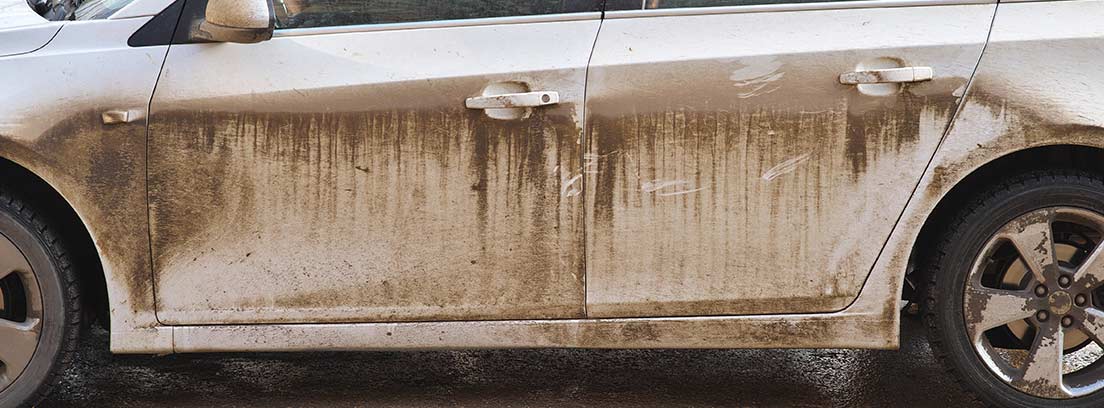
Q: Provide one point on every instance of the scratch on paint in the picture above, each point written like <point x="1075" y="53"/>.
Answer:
<point x="569" y="189"/>
<point x="678" y="193"/>
<point x="757" y="76"/>
<point x="758" y="86"/>
<point x="785" y="167"/>
<point x="656" y="185"/>
<point x="681" y="187"/>
<point x="590" y="165"/>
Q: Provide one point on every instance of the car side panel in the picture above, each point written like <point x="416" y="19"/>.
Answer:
<point x="1037" y="85"/>
<point x="326" y="178"/>
<point x="729" y="170"/>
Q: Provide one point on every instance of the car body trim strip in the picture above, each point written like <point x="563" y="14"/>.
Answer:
<point x="548" y="18"/>
<point x="773" y="8"/>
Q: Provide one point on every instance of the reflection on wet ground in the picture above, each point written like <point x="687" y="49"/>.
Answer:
<point x="583" y="378"/>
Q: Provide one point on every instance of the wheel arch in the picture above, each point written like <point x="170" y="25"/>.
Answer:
<point x="1047" y="157"/>
<point x="74" y="232"/>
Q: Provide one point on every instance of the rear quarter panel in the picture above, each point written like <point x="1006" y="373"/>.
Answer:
<point x="1038" y="84"/>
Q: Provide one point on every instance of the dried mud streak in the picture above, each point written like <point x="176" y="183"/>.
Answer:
<point x="887" y="128"/>
<point x="1006" y="111"/>
<point x="379" y="216"/>
<point x="101" y="171"/>
<point x="729" y="225"/>
<point x="1020" y="126"/>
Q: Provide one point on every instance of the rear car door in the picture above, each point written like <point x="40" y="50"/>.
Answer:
<point x="336" y="174"/>
<point x="730" y="169"/>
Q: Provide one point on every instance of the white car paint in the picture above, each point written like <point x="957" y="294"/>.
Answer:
<point x="21" y="29"/>
<point x="870" y="319"/>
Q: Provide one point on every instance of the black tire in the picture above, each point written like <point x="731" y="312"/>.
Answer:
<point x="60" y="295"/>
<point x="952" y="261"/>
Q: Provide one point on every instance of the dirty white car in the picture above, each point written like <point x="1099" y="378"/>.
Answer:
<point x="245" y="175"/>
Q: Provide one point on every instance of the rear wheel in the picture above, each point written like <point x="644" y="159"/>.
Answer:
<point x="1014" y="306"/>
<point x="39" y="313"/>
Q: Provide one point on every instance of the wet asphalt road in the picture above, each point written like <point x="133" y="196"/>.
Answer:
<point x="517" y="378"/>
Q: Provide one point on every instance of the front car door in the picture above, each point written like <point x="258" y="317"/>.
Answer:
<point x="729" y="169"/>
<point x="335" y="174"/>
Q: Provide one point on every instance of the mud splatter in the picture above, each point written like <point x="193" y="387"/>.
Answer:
<point x="379" y="216"/>
<point x="102" y="170"/>
<point x="704" y="202"/>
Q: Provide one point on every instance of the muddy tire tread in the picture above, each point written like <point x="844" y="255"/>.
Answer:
<point x="13" y="202"/>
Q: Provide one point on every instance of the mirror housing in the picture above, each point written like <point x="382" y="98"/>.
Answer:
<point x="236" y="21"/>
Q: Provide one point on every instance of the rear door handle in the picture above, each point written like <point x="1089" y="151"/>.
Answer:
<point x="514" y="100"/>
<point x="887" y="76"/>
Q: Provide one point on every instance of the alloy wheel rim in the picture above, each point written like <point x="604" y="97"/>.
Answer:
<point x="20" y="313"/>
<point x="1021" y="326"/>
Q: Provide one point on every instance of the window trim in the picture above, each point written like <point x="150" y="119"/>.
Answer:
<point x="471" y="22"/>
<point x="796" y="6"/>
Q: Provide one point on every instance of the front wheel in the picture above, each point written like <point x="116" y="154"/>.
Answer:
<point x="39" y="306"/>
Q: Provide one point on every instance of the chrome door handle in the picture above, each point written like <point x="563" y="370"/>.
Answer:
<point x="887" y="76"/>
<point x="514" y="100"/>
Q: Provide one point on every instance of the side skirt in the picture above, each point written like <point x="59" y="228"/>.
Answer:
<point x="837" y="330"/>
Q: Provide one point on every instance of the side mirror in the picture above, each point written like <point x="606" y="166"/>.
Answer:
<point x="236" y="21"/>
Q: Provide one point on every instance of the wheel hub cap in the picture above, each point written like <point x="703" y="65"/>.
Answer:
<point x="1060" y="303"/>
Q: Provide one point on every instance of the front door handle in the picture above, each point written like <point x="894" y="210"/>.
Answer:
<point x="887" y="76"/>
<point x="514" y="100"/>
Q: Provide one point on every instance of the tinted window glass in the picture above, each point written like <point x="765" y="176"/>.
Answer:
<point x="661" y="4"/>
<point x="328" y="13"/>
<point x="614" y="5"/>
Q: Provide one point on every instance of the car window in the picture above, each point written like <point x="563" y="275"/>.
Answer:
<point x="615" y="5"/>
<point x="77" y="10"/>
<point x="663" y="4"/>
<point x="99" y="9"/>
<point x="329" y="13"/>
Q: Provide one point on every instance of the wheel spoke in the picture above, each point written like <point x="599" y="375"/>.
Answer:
<point x="989" y="308"/>
<point x="1094" y="324"/>
<point x="20" y="341"/>
<point x="1091" y="272"/>
<point x="1032" y="236"/>
<point x="1043" y="374"/>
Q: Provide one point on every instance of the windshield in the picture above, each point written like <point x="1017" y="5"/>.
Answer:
<point x="58" y="10"/>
